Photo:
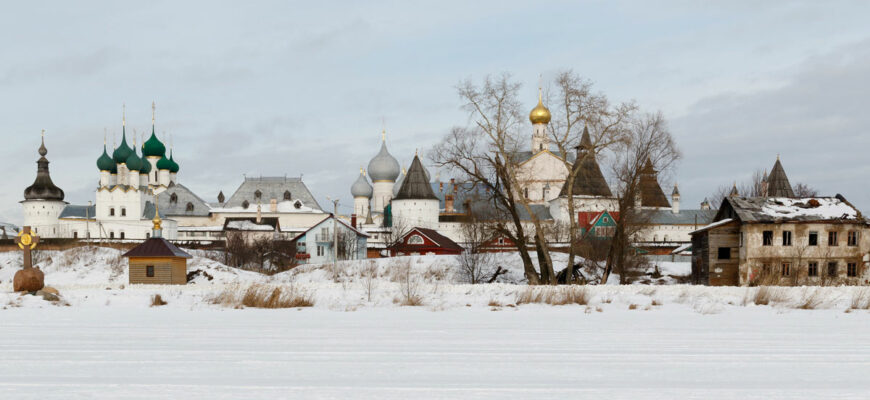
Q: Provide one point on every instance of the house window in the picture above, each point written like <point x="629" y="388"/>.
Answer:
<point x="173" y="199"/>
<point x="147" y="235"/>
<point x="320" y="250"/>
<point x="112" y="212"/>
<point x="832" y="269"/>
<point x="526" y="193"/>
<point x="287" y="195"/>
<point x="812" y="268"/>
<point x="258" y="194"/>
<point x="832" y="238"/>
<point x="767" y="238"/>
<point x="852" y="238"/>
<point x="111" y="235"/>
<point x="786" y="238"/>
<point x="765" y="269"/>
<point x="416" y="239"/>
<point x="852" y="269"/>
<point x="786" y="269"/>
<point x="149" y="271"/>
<point x="123" y="212"/>
<point x="122" y="235"/>
<point x="75" y="235"/>
<point x="724" y="253"/>
<point x="813" y="239"/>
<point x="189" y="207"/>
<point x="501" y="240"/>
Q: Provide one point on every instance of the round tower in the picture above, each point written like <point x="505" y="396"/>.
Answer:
<point x="415" y="205"/>
<point x="383" y="170"/>
<point x="43" y="200"/>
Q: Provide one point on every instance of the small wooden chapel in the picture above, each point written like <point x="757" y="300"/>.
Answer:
<point x="156" y="261"/>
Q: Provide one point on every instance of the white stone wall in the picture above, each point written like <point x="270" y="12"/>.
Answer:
<point x="42" y="217"/>
<point x="361" y="207"/>
<point x="539" y="171"/>
<point x="415" y="213"/>
<point x="382" y="194"/>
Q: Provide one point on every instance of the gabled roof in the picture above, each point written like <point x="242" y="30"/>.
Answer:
<point x="416" y="184"/>
<point x="272" y="188"/>
<point x="183" y="197"/>
<point x="433" y="235"/>
<point x="329" y="217"/>
<point x="777" y="182"/>
<point x="783" y="209"/>
<point x="651" y="194"/>
<point x="156" y="247"/>
<point x="74" y="211"/>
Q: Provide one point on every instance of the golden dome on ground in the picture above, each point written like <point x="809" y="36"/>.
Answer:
<point x="540" y="114"/>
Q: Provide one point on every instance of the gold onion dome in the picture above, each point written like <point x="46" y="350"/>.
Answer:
<point x="540" y="114"/>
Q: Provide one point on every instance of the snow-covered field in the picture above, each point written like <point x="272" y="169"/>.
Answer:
<point x="104" y="340"/>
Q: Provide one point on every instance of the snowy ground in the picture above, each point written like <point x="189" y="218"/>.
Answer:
<point x="464" y="341"/>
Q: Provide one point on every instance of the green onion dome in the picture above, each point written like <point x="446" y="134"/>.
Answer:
<point x="174" y="168"/>
<point x="114" y="169"/>
<point x="164" y="163"/>
<point x="146" y="167"/>
<point x="105" y="163"/>
<point x="123" y="151"/>
<point x="134" y="163"/>
<point x="153" y="146"/>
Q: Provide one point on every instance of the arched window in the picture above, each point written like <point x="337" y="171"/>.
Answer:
<point x="189" y="207"/>
<point x="287" y="195"/>
<point x="258" y="194"/>
<point x="297" y="205"/>
<point x="173" y="199"/>
<point x="245" y="204"/>
<point x="416" y="239"/>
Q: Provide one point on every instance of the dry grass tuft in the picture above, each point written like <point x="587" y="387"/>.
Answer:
<point x="811" y="300"/>
<point x="656" y="302"/>
<point x="157" y="301"/>
<point x="494" y="303"/>
<point x="412" y="301"/>
<point x="263" y="296"/>
<point x="633" y="306"/>
<point x="556" y="296"/>
<point x="861" y="299"/>
<point x="764" y="295"/>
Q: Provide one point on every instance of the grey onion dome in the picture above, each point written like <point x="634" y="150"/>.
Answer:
<point x="384" y="167"/>
<point x="43" y="188"/>
<point x="399" y="181"/>
<point x="361" y="188"/>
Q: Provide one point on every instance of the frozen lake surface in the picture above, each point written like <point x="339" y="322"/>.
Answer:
<point x="527" y="352"/>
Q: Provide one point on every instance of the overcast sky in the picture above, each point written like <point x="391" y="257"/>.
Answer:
<point x="302" y="88"/>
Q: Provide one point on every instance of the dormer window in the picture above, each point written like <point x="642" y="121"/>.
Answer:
<point x="258" y="194"/>
<point x="189" y="207"/>
<point x="297" y="205"/>
<point x="245" y="204"/>
<point x="173" y="199"/>
<point x="287" y="195"/>
<point x="416" y="239"/>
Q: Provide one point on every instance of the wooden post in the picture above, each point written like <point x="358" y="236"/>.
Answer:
<point x="27" y="242"/>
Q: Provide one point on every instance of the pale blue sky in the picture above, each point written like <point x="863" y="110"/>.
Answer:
<point x="293" y="88"/>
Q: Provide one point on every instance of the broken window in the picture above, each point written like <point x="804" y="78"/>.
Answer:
<point x="724" y="253"/>
<point x="812" y="268"/>
<point x="786" y="238"/>
<point x="813" y="239"/>
<point x="852" y="238"/>
<point x="767" y="238"/>
<point x="786" y="269"/>
<point x="852" y="270"/>
<point x="832" y="269"/>
<point x="832" y="238"/>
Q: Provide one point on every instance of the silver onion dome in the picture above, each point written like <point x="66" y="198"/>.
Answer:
<point x="361" y="188"/>
<point x="384" y="167"/>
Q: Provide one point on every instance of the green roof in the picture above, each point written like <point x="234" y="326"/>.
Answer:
<point x="153" y="146"/>
<point x="164" y="163"/>
<point x="134" y="163"/>
<point x="174" y="167"/>
<point x="123" y="151"/>
<point x="105" y="163"/>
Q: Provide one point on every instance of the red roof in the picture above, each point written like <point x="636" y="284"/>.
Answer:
<point x="440" y="242"/>
<point x="156" y="247"/>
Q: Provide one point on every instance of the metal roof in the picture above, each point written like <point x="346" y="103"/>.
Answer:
<point x="74" y="211"/>
<point x="156" y="247"/>
<point x="183" y="197"/>
<point x="272" y="188"/>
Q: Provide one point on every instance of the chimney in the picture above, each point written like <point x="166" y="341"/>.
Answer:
<point x="448" y="203"/>
<point x="273" y="205"/>
<point x="453" y="184"/>
<point x="353" y="220"/>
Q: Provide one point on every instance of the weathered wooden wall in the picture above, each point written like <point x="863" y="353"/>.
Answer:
<point x="167" y="271"/>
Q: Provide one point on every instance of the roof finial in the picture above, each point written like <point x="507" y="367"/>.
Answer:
<point x="362" y="171"/>
<point x="777" y="156"/>
<point x="384" y="135"/>
<point x="123" y="114"/>
<point x="153" y="111"/>
<point x="105" y="134"/>
<point x="156" y="220"/>
<point x="42" y="150"/>
<point x="415" y="152"/>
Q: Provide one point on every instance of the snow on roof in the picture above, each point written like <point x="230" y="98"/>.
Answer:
<point x="245" y="225"/>
<point x="817" y="208"/>
<point x="713" y="225"/>
<point x="215" y="228"/>
<point x="682" y="248"/>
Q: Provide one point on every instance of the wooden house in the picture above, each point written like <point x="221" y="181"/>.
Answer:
<point x="156" y="261"/>
<point x="423" y="241"/>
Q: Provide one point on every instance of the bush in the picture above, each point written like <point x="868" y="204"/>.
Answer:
<point x="861" y="299"/>
<point x="263" y="296"/>
<point x="764" y="295"/>
<point x="157" y="301"/>
<point x="556" y="296"/>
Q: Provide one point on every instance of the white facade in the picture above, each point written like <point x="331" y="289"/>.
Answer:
<point x="361" y="207"/>
<point x="381" y="195"/>
<point x="421" y="213"/>
<point x="42" y="217"/>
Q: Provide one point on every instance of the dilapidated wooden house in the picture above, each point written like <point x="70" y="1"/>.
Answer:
<point x="781" y="241"/>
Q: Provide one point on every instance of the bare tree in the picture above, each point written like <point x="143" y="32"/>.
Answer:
<point x="370" y="278"/>
<point x="753" y="187"/>
<point x="484" y="155"/>
<point x="475" y="262"/>
<point x="648" y="141"/>
<point x="576" y="108"/>
<point x="803" y="190"/>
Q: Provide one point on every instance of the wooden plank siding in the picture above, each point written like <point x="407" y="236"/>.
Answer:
<point x="167" y="271"/>
<point x="707" y="268"/>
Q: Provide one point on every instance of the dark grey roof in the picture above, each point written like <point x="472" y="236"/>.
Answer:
<point x="651" y="193"/>
<point x="156" y="247"/>
<point x="415" y="185"/>
<point x="684" y="217"/>
<point x="183" y="196"/>
<point x="272" y="188"/>
<point x="777" y="182"/>
<point x="43" y="188"/>
<point x="74" y="211"/>
<point x="782" y="209"/>
<point x="148" y="211"/>
<point x="588" y="179"/>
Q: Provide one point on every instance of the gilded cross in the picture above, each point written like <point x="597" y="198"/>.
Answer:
<point x="27" y="242"/>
